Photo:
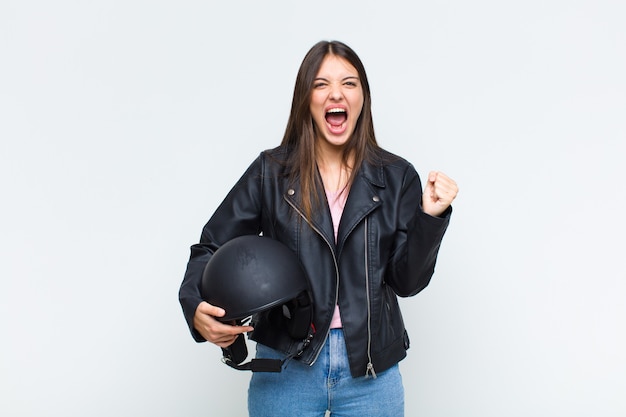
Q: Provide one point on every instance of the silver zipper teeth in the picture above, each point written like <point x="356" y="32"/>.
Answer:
<point x="370" y="366"/>
<point x="319" y="350"/>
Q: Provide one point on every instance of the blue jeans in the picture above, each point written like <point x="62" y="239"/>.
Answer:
<point x="309" y="391"/>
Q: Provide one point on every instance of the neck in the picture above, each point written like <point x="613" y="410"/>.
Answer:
<point x="335" y="173"/>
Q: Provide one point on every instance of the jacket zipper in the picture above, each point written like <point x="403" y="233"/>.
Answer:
<point x="319" y="349"/>
<point x="370" y="367"/>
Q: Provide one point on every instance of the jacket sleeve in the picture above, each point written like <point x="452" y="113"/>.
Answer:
<point x="239" y="214"/>
<point x="419" y="237"/>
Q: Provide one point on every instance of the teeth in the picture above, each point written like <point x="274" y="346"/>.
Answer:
<point x="336" y="111"/>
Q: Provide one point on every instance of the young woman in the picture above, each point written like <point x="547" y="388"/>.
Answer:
<point x="364" y="230"/>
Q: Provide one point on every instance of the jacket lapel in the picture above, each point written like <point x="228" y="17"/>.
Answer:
<point x="363" y="199"/>
<point x="321" y="220"/>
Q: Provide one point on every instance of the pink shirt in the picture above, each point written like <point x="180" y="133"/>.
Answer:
<point x="336" y="202"/>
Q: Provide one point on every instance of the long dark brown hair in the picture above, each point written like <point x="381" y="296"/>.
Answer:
<point x="300" y="134"/>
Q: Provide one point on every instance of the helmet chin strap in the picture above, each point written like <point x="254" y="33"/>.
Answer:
<point x="237" y="353"/>
<point x="256" y="365"/>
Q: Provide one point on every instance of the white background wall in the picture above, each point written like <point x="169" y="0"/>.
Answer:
<point x="124" y="123"/>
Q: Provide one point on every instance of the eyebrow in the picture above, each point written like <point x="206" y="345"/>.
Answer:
<point x="349" y="77"/>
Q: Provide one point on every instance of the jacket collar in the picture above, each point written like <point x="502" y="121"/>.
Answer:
<point x="373" y="172"/>
<point x="363" y="198"/>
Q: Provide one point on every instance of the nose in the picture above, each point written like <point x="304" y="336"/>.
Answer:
<point x="335" y="92"/>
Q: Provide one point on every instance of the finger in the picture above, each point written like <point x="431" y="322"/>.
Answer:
<point x="231" y="334"/>
<point x="435" y="184"/>
<point x="441" y="175"/>
<point x="227" y="328"/>
<point x="443" y="180"/>
<point x="443" y="187"/>
<point x="227" y="342"/>
<point x="211" y="310"/>
<point x="429" y="187"/>
<point x="224" y="342"/>
<point x="446" y="193"/>
<point x="217" y="332"/>
<point x="235" y="330"/>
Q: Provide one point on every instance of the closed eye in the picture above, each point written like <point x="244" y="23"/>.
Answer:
<point x="351" y="81"/>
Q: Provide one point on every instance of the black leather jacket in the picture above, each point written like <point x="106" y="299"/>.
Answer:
<point x="386" y="246"/>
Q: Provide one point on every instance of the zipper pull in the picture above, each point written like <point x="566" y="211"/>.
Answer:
<point x="370" y="369"/>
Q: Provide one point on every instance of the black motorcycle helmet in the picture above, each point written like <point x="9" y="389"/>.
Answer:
<point x="254" y="274"/>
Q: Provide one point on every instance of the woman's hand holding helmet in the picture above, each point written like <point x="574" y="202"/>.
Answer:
<point x="213" y="330"/>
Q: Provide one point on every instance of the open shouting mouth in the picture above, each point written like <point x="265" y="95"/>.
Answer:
<point x="336" y="119"/>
